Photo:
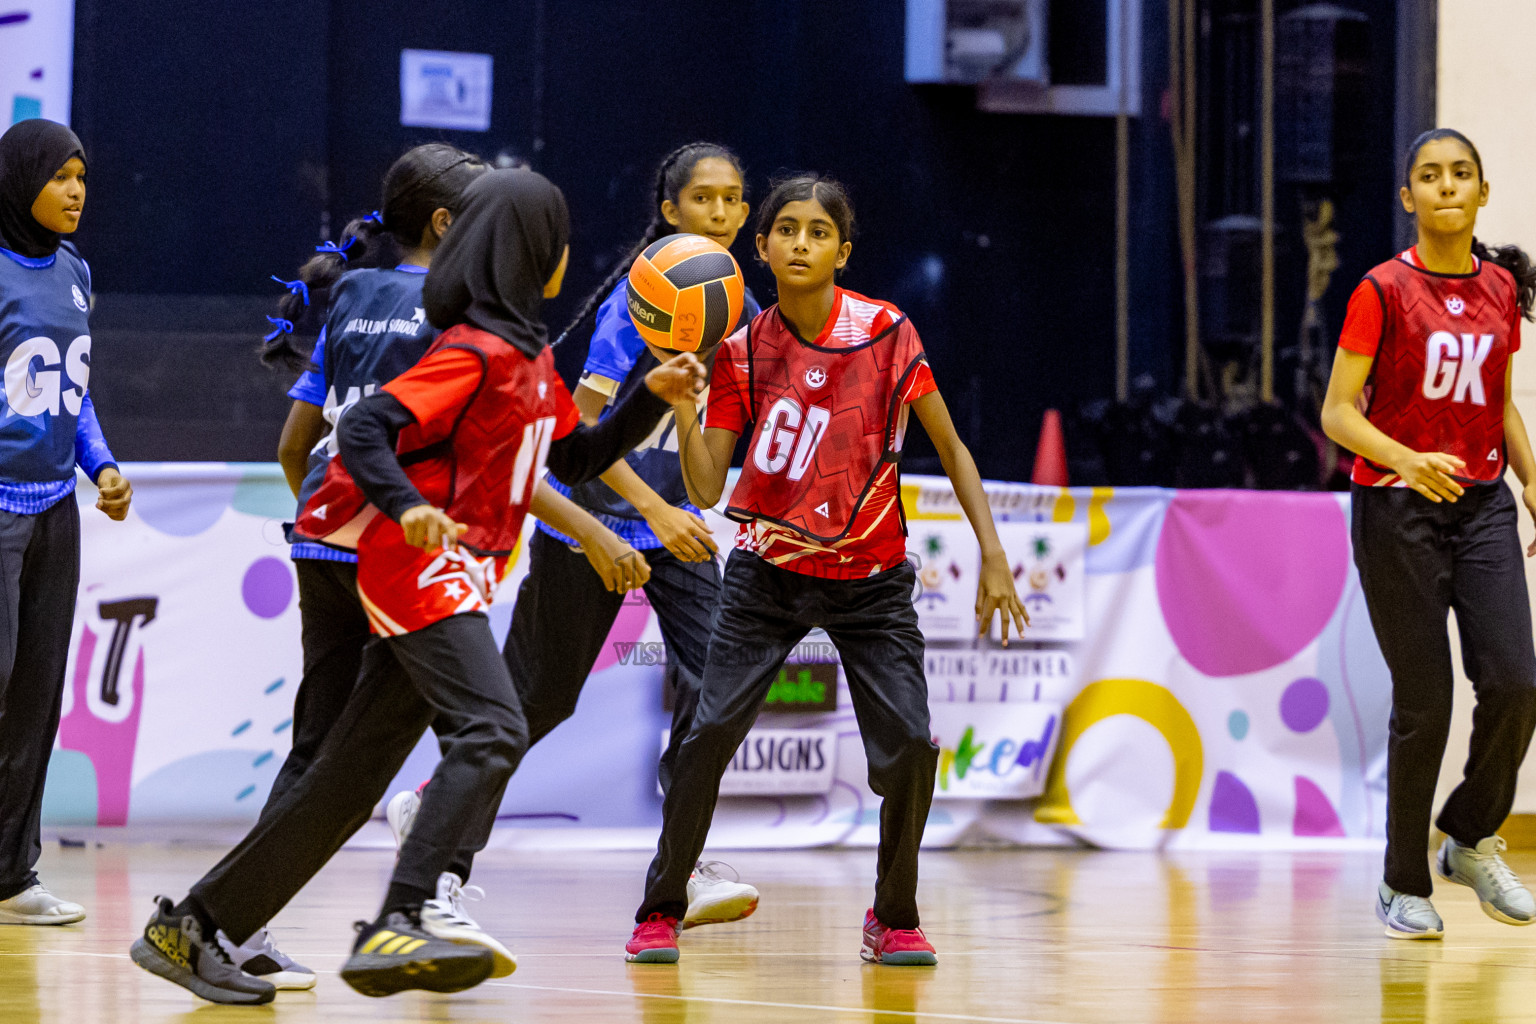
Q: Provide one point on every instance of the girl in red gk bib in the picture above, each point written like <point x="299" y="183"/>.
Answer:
<point x="826" y="376"/>
<point x="1421" y="393"/>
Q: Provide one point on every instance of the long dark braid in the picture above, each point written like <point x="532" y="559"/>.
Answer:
<point x="672" y="177"/>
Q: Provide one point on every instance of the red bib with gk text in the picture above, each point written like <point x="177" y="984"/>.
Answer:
<point x="1438" y="381"/>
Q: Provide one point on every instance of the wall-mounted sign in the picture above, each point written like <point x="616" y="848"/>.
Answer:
<point x="445" y="89"/>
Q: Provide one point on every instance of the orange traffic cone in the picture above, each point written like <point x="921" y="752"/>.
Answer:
<point x="1051" y="453"/>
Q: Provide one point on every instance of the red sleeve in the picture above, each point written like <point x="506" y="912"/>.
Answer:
<point x="1514" y="331"/>
<point x="919" y="384"/>
<point x="567" y="416"/>
<point x="1363" y="321"/>
<point x="727" y="408"/>
<point x="437" y="389"/>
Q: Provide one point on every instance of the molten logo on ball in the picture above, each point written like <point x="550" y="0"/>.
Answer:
<point x="685" y="293"/>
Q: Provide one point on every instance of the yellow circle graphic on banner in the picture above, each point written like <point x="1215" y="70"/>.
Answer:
<point x="1151" y="703"/>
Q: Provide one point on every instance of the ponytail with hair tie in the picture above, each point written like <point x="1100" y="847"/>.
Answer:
<point x="1515" y="260"/>
<point x="279" y="326"/>
<point x="297" y="287"/>
<point x="424" y="179"/>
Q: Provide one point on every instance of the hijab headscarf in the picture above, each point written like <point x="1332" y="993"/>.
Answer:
<point x="492" y="265"/>
<point x="31" y="153"/>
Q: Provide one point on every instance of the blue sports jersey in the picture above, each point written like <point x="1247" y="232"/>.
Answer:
<point x="617" y="362"/>
<point x="376" y="329"/>
<point x="45" y="340"/>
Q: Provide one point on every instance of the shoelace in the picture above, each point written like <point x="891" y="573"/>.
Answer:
<point x="265" y="946"/>
<point x="1414" y="904"/>
<point x="710" y="869"/>
<point x="457" y="894"/>
<point x="1502" y="876"/>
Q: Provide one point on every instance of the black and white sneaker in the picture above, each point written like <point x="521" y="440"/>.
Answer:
<point x="396" y="954"/>
<point x="173" y="947"/>
<point x="446" y="918"/>
<point x="260" y="957"/>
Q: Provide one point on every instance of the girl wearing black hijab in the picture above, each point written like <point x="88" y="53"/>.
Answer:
<point x="48" y="429"/>
<point x="435" y="473"/>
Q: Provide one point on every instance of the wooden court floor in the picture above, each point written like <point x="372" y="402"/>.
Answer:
<point x="1046" y="937"/>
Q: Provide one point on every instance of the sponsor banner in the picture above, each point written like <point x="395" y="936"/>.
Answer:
<point x="1007" y="674"/>
<point x="948" y="563"/>
<point x="37" y="49"/>
<point x="1223" y="691"/>
<point x="780" y="762"/>
<point x="994" y="751"/>
<point x="1048" y="566"/>
<point x="803" y="686"/>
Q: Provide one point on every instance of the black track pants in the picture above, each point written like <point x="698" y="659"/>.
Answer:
<point x="1417" y="560"/>
<point x="764" y="612"/>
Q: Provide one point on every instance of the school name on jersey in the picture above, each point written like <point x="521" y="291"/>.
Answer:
<point x="396" y="325"/>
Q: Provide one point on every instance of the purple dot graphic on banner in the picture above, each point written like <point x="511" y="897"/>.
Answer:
<point x="1233" y="808"/>
<point x="1315" y="815"/>
<point x="1304" y="705"/>
<point x="1245" y="585"/>
<point x="267" y="587"/>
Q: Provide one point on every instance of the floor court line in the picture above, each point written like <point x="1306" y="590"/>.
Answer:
<point x="818" y="1007"/>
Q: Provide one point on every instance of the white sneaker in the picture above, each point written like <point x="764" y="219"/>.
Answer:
<point x="445" y="918"/>
<point x="401" y="814"/>
<point x="37" y="905"/>
<point x="259" y="958"/>
<point x="713" y="899"/>
<point x="1407" y="917"/>
<point x="1498" y="888"/>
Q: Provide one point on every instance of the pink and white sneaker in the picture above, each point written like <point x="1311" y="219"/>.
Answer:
<point x="653" y="942"/>
<point x="899" y="947"/>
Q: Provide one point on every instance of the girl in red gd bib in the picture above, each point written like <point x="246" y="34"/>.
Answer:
<point x="1427" y="343"/>
<point x="435" y="473"/>
<point x="826" y="376"/>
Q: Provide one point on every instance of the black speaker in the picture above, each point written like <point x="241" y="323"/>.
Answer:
<point x="1322" y="94"/>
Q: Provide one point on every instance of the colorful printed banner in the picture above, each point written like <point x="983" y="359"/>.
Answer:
<point x="1223" y="690"/>
<point x="37" y="49"/>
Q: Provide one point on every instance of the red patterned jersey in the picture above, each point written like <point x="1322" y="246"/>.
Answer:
<point x="485" y="416"/>
<point x="818" y="493"/>
<point x="1442" y="344"/>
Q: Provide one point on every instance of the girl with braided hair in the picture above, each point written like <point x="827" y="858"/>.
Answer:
<point x="564" y="609"/>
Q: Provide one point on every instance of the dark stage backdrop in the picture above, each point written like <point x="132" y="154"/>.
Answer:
<point x="226" y="138"/>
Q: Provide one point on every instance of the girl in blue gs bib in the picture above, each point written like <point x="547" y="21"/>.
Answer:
<point x="47" y="428"/>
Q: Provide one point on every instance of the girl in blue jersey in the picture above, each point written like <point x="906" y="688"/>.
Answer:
<point x="49" y="428"/>
<point x="564" y="611"/>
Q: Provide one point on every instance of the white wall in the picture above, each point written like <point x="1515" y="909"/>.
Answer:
<point x="1485" y="69"/>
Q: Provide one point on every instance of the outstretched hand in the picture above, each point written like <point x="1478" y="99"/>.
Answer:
<point x="996" y="593"/>
<point x="678" y="380"/>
